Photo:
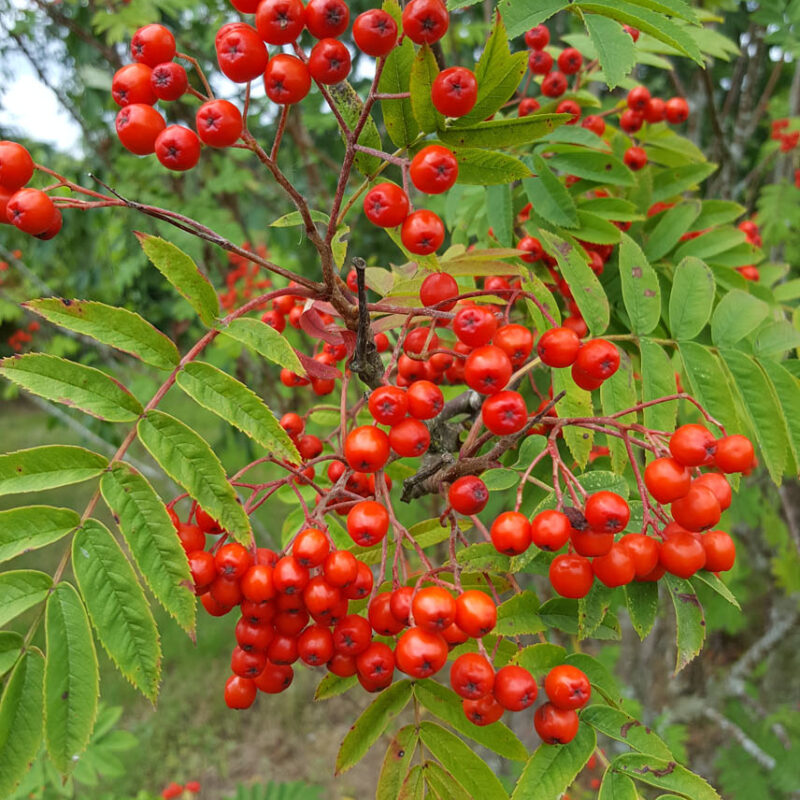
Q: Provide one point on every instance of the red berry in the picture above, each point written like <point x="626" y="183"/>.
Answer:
<point x="138" y="126"/>
<point x="515" y="688"/>
<point x="310" y="547"/>
<point x="476" y="613"/>
<point x="682" y="555"/>
<point x="667" y="479"/>
<point x="615" y="568"/>
<point x="132" y="84"/>
<point x="468" y="495"/>
<point x="692" y="445"/>
<point x="241" y="53"/>
<point x="219" y="123"/>
<point x="516" y="341"/>
<point x="569" y="107"/>
<point x="571" y="575"/>
<point x="275" y="678"/>
<point x="656" y="110"/>
<point x="558" y="347"/>
<point x="153" y="45"/>
<point x="570" y="61"/>
<point x="567" y="687"/>
<point x="352" y="635"/>
<point x="247" y="663"/>
<point x="178" y="148"/>
<point x="31" y="210"/>
<point x="386" y="205"/>
<point x="425" y="21"/>
<point x="366" y="448"/>
<point x="422" y="232"/>
<point x="289" y="576"/>
<point x="388" y="405"/>
<point x="437" y="289"/>
<point x="16" y="166"/>
<point x="327" y="18"/>
<point x="720" y="551"/>
<point x="425" y="400"/>
<point x="434" y="169"/>
<point x="598" y="358"/>
<point x="532" y="249"/>
<point x="487" y="370"/>
<point x="239" y="692"/>
<point x="329" y="61"/>
<point x="631" y="121"/>
<point x="537" y="38"/>
<point x="734" y="453"/>
<point x="504" y="413"/>
<point x="280" y="21"/>
<point x="555" y="725"/>
<point x="540" y="62"/>
<point x="528" y="106"/>
<point x="286" y="79"/>
<point x="591" y="543"/>
<point x="719" y="485"/>
<point x="433" y="608"/>
<point x="454" y="91"/>
<point x="595" y="124"/>
<point x="643" y="550"/>
<point x="550" y="530"/>
<point x="292" y="423"/>
<point x="409" y="438"/>
<point x="367" y="523"/>
<point x="202" y="568"/>
<point x="483" y="711"/>
<point x="474" y="325"/>
<point x="471" y="676"/>
<point x="698" y="509"/>
<point x="511" y="533"/>
<point x="635" y="158"/>
<point x="677" y="110"/>
<point x="375" y="32"/>
<point x="169" y="81"/>
<point x="380" y="615"/>
<point x="257" y="583"/>
<point x="607" y="512"/>
<point x="315" y="645"/>
<point x="554" y="84"/>
<point x="420" y="654"/>
<point x="340" y="568"/>
<point x="638" y="98"/>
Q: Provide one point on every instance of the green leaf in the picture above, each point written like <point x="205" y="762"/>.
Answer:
<point x="472" y="772"/>
<point x="551" y="769"/>
<point x="709" y="383"/>
<point x="670" y="182"/>
<point x="115" y="327"/>
<point x="117" y="606"/>
<point x="350" y="106"/>
<point x="398" y="116"/>
<point x="71" y="678"/>
<point x="413" y="787"/>
<point x="488" y="167"/>
<point x="179" y="269"/>
<point x="613" y="208"/>
<point x="671" y="225"/>
<point x="423" y="73"/>
<point x="442" y="785"/>
<point x="295" y="218"/>
<point x="549" y="196"/>
<point x="546" y="301"/>
<point x="332" y="686"/>
<point x="617" y="787"/>
<point x="562" y="613"/>
<point x="595" y="230"/>
<point x="519" y="615"/>
<point x="190" y="462"/>
<point x="31" y="527"/>
<point x="691" y="621"/>
<point x="586" y="288"/>
<point x="616" y="394"/>
<point x="658" y="380"/>
<point x="775" y="338"/>
<point x="592" y="165"/>
<point x="787" y="390"/>
<point x="496" y="133"/>
<point x="19" y="590"/>
<point x="10" y="647"/>
<point x="641" y="598"/>
<point x="593" y="608"/>
<point x="522" y="15"/>
<point x="691" y="298"/>
<point x="624" y="728"/>
<point x="21" y="720"/>
<point x="711" y="244"/>
<point x="396" y="763"/>
<point x="641" y="291"/>
<point x="664" y="775"/>
<point x="614" y="48"/>
<point x="483" y="556"/>
<point x="367" y="729"/>
<point x="655" y="24"/>
<point x="758" y="397"/>
<point x="75" y="385"/>
<point x="576" y="403"/>
<point x="500" y="213"/>
<point x="716" y="585"/>
<point x="238" y="405"/>
<point x="500" y="479"/>
<point x="265" y="341"/>
<point x="540" y="658"/>
<point x="498" y="74"/>
<point x="150" y="535"/>
<point x="736" y="315"/>
<point x="446" y="705"/>
<point x="47" y="467"/>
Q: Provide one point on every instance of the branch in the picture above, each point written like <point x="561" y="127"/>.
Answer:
<point x="366" y="362"/>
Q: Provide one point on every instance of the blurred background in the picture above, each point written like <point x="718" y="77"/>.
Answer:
<point x="732" y="714"/>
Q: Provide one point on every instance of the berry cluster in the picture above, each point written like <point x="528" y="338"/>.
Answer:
<point x="788" y="139"/>
<point x="30" y="210"/>
<point x="245" y="279"/>
<point x="22" y="337"/>
<point x="696" y="505"/>
<point x="173" y="790"/>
